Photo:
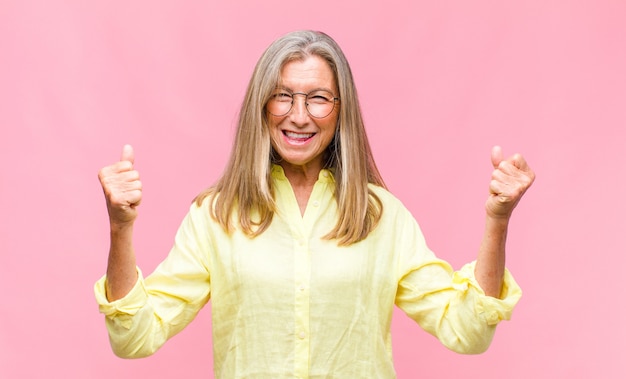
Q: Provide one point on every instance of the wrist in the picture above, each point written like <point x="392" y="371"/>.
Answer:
<point x="121" y="227"/>
<point x="496" y="223"/>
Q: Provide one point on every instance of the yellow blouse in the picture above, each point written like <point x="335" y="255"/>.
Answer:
<point x="288" y="304"/>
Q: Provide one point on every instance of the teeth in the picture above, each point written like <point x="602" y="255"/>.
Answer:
<point x="298" y="135"/>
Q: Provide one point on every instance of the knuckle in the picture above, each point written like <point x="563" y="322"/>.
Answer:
<point x="104" y="173"/>
<point x="116" y="199"/>
<point x="124" y="165"/>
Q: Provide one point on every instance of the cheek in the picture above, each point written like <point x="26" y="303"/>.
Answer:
<point x="272" y="123"/>
<point x="330" y="125"/>
<point x="274" y="130"/>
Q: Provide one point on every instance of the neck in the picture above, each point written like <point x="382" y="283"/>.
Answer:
<point x="302" y="180"/>
<point x="303" y="176"/>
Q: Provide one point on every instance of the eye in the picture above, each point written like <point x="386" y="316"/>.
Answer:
<point x="320" y="97"/>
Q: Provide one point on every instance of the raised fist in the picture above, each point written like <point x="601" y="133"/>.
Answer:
<point x="122" y="188"/>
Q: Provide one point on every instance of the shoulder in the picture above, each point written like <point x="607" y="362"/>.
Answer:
<point x="386" y="198"/>
<point x="392" y="206"/>
<point x="199" y="212"/>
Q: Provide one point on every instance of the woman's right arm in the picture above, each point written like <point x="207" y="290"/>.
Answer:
<point x="122" y="190"/>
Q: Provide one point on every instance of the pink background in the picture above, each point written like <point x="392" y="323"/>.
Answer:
<point x="440" y="82"/>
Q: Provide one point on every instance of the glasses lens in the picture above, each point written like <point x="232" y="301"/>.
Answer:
<point x="320" y="103"/>
<point x="280" y="103"/>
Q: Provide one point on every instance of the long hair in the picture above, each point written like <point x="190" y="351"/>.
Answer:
<point x="246" y="185"/>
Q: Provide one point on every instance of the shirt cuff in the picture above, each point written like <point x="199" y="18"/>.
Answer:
<point x="128" y="305"/>
<point x="491" y="309"/>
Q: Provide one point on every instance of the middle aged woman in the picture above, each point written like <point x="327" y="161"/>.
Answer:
<point x="299" y="246"/>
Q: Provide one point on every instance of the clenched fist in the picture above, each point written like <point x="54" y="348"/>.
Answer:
<point x="510" y="179"/>
<point x="122" y="188"/>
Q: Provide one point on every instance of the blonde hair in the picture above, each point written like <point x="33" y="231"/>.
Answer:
<point x="246" y="184"/>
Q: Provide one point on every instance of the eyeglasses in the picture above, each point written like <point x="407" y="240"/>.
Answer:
<point x="319" y="103"/>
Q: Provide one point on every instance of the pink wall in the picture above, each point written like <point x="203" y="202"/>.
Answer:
<point x="440" y="82"/>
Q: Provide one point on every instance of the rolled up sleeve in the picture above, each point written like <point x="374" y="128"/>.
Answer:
<point x="452" y="306"/>
<point x="447" y="304"/>
<point x="161" y="305"/>
<point x="134" y="331"/>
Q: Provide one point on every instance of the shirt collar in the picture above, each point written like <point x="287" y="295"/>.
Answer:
<point x="325" y="175"/>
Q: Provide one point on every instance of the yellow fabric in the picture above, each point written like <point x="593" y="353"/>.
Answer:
<point x="289" y="304"/>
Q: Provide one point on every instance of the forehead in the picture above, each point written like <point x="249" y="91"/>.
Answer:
<point x="309" y="73"/>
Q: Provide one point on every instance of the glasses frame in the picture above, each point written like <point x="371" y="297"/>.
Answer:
<point x="306" y="103"/>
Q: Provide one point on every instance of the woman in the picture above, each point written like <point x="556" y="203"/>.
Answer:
<point x="299" y="246"/>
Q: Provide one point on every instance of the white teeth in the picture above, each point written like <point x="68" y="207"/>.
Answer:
<point x="298" y="135"/>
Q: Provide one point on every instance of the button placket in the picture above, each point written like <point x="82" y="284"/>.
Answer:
<point x="301" y="328"/>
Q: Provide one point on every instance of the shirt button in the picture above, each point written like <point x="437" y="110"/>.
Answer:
<point x="301" y="335"/>
<point x="316" y="203"/>
<point x="325" y="174"/>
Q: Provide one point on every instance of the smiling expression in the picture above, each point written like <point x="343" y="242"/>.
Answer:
<point x="298" y="138"/>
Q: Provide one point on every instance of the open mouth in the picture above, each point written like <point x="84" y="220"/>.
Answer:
<point x="300" y="137"/>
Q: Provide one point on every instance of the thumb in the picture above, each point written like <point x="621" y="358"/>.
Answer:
<point x="128" y="154"/>
<point x="496" y="156"/>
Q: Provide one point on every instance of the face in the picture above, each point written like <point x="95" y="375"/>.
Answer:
<point x="298" y="138"/>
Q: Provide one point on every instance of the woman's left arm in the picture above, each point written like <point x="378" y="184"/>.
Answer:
<point x="509" y="181"/>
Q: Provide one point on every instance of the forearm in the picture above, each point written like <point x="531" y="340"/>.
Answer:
<point x="121" y="269"/>
<point x="489" y="270"/>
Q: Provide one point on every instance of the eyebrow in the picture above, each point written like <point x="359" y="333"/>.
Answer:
<point x="314" y="89"/>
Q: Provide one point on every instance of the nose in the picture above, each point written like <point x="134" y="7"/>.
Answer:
<point x="299" y="113"/>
